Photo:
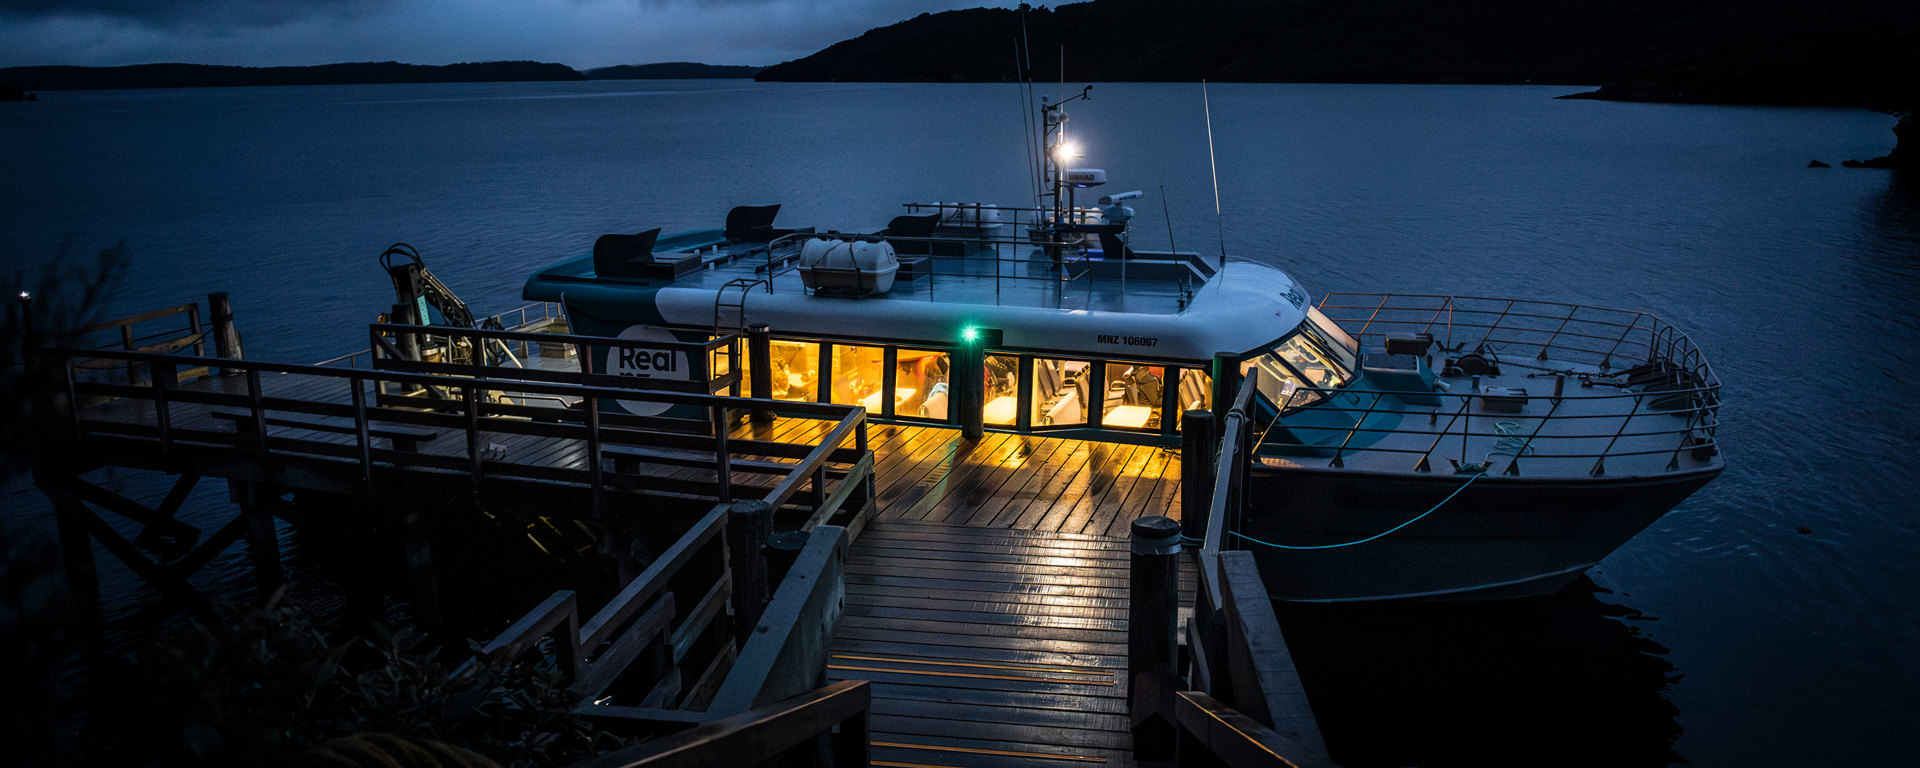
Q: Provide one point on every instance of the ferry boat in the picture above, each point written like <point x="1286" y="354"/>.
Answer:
<point x="1409" y="446"/>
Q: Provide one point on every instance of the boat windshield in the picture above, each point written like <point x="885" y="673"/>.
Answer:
<point x="1333" y="338"/>
<point x="1310" y="359"/>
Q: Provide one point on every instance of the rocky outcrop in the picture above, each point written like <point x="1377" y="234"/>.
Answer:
<point x="1906" y="148"/>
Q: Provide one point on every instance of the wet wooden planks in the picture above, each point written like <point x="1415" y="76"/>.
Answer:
<point x="921" y="473"/>
<point x="1009" y="481"/>
<point x="989" y="647"/>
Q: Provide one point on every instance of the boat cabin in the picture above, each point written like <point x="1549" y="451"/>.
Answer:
<point x="1055" y="328"/>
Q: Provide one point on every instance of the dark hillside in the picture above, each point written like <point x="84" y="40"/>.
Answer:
<point x="671" y="70"/>
<point x="1839" y="52"/>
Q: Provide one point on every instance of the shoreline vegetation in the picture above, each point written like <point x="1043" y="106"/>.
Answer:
<point x="1846" y="53"/>
<point x="1849" y="53"/>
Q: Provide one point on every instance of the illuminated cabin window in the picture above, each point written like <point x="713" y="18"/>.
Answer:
<point x="1133" y="396"/>
<point x="1333" y="338"/>
<point x="796" y="370"/>
<point x="1279" y="384"/>
<point x="1195" y="393"/>
<point x="858" y="376"/>
<point x="920" y="384"/>
<point x="1060" y="392"/>
<point x="1002" y="390"/>
<point x="1311" y="361"/>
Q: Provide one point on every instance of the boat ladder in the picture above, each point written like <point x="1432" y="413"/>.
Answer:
<point x="730" y="305"/>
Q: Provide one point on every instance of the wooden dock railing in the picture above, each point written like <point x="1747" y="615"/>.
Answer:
<point x="1246" y="705"/>
<point x="162" y="331"/>
<point x="157" y="406"/>
<point x="757" y="688"/>
<point x="762" y="734"/>
<point x="292" y="427"/>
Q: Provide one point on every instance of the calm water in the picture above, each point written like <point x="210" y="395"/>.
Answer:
<point x="1721" y="636"/>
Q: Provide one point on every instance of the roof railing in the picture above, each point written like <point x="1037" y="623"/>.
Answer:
<point x="1643" y="387"/>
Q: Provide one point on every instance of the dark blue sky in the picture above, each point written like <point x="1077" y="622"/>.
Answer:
<point x="579" y="33"/>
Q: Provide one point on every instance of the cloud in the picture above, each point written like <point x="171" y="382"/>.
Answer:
<point x="579" y="33"/>
<point x="170" y="13"/>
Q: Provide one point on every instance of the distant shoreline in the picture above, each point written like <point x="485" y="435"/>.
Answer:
<point x="29" y="79"/>
<point x="20" y="83"/>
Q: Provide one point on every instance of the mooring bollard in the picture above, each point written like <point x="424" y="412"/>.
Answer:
<point x="1153" y="619"/>
<point x="1199" y="438"/>
<point x="782" y="549"/>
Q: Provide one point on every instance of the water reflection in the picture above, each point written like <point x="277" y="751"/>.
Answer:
<point x="1560" y="680"/>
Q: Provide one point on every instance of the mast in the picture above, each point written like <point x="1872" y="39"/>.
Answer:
<point x="1057" y="151"/>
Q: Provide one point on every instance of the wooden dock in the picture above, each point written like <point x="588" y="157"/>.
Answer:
<point x="931" y="474"/>
<point x="953" y="602"/>
<point x="989" y="646"/>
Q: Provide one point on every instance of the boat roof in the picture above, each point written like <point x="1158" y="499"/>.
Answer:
<point x="1159" y="305"/>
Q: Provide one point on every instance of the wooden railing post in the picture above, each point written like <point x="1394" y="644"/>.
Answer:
<point x="722" y="420"/>
<point x="194" y="329"/>
<point x="226" y="338"/>
<point x="126" y="343"/>
<point x="1199" y="438"/>
<point x="1152" y="635"/>
<point x="760" y="368"/>
<point x="749" y="524"/>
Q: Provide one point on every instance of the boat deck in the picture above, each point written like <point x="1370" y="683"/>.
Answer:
<point x="1536" y="436"/>
<point x="964" y="269"/>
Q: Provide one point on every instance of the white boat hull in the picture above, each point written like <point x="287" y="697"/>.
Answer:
<point x="1500" y="537"/>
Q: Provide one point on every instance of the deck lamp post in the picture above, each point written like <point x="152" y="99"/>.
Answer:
<point x="26" y="319"/>
<point x="968" y="382"/>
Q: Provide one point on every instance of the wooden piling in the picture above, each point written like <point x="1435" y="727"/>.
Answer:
<point x="226" y="338"/>
<point x="749" y="523"/>
<point x="1199" y="438"/>
<point x="422" y="582"/>
<point x="263" y="542"/>
<point x="1153" y="635"/>
<point x="76" y="554"/>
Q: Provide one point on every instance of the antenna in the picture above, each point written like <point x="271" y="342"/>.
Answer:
<point x="1024" y="66"/>
<point x="1218" y="226"/>
<point x="1026" y="125"/>
<point x="1168" y="211"/>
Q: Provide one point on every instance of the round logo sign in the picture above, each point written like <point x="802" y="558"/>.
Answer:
<point x="644" y="362"/>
